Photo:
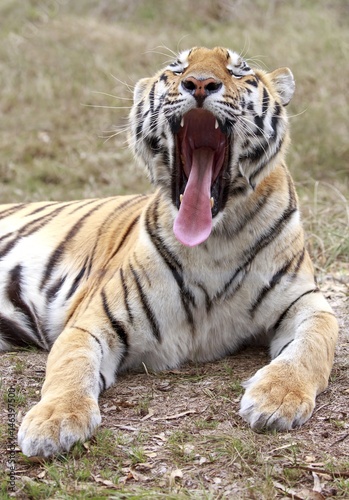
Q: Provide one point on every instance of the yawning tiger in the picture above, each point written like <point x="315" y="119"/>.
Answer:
<point x="212" y="260"/>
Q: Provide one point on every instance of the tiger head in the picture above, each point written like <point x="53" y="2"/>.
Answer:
<point x="209" y="128"/>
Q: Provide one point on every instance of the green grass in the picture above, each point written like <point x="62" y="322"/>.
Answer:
<point x="18" y="398"/>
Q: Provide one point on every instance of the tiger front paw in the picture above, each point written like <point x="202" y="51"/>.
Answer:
<point x="277" y="397"/>
<point x="54" y="425"/>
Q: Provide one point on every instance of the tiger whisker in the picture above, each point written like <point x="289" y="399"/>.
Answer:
<point x="111" y="95"/>
<point x="130" y="88"/>
<point x="105" y="106"/>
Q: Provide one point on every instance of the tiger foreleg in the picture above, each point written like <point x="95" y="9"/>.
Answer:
<point x="282" y="395"/>
<point x="68" y="411"/>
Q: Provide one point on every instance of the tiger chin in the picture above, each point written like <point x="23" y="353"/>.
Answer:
<point x="212" y="260"/>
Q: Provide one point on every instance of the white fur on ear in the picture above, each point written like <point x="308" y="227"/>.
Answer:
<point x="139" y="89"/>
<point x="284" y="84"/>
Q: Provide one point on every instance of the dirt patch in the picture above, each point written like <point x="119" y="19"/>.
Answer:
<point x="179" y="432"/>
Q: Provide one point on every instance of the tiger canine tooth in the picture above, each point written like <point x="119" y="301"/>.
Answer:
<point x="180" y="198"/>
<point x="216" y="124"/>
<point x="182" y="122"/>
<point x="212" y="201"/>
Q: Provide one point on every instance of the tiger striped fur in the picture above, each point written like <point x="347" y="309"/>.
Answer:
<point x="213" y="260"/>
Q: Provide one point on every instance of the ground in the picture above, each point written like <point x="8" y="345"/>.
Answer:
<point x="178" y="434"/>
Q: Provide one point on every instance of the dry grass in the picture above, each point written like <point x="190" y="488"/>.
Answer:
<point x="54" y="56"/>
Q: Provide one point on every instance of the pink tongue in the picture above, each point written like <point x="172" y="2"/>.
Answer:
<point x="193" y="223"/>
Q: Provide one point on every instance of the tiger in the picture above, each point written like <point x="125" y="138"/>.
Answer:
<point x="212" y="261"/>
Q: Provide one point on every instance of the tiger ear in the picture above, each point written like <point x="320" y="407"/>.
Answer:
<point x="284" y="84"/>
<point x="139" y="89"/>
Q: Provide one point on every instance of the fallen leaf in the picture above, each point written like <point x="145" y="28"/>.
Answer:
<point x="317" y="484"/>
<point x="175" y="474"/>
<point x="161" y="436"/>
<point x="126" y="428"/>
<point x="105" y="482"/>
<point x="289" y="491"/>
<point x="137" y="476"/>
<point x="174" y="417"/>
<point x="143" y="466"/>
<point x="283" y="447"/>
<point x="150" y="413"/>
<point x="126" y="478"/>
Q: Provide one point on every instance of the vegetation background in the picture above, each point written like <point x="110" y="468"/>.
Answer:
<point x="67" y="70"/>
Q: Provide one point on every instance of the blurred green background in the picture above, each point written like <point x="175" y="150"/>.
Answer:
<point x="67" y="70"/>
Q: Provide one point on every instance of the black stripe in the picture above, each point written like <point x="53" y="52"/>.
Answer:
<point x="116" y="325"/>
<point x="275" y="119"/>
<point x="278" y="277"/>
<point x="166" y="157"/>
<point x="299" y="263"/>
<point x="53" y="290"/>
<point x="316" y="315"/>
<point x="266" y="162"/>
<point x="125" y="236"/>
<point x="140" y="267"/>
<point x="15" y="335"/>
<point x="40" y="209"/>
<point x="153" y="143"/>
<point x="29" y="228"/>
<point x="139" y="121"/>
<point x="103" y="384"/>
<point x="265" y="102"/>
<point x="283" y="315"/>
<point x="14" y="295"/>
<point x="284" y="347"/>
<point x="126" y="296"/>
<point x="151" y="99"/>
<point x="108" y="221"/>
<point x="84" y="204"/>
<point x="89" y="333"/>
<point x="265" y="239"/>
<point x="146" y="306"/>
<point x="275" y="280"/>
<point x="172" y="263"/>
<point x="230" y="231"/>
<point x="77" y="281"/>
<point x="59" y="251"/>
<point x="259" y="122"/>
<point x="12" y="209"/>
<point x="256" y="153"/>
<point x="252" y="81"/>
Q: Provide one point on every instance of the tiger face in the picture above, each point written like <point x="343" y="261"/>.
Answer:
<point x="208" y="128"/>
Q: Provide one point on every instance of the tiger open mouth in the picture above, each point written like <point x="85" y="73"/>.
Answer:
<point x="202" y="151"/>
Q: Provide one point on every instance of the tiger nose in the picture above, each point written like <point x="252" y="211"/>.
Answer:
<point x="200" y="89"/>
